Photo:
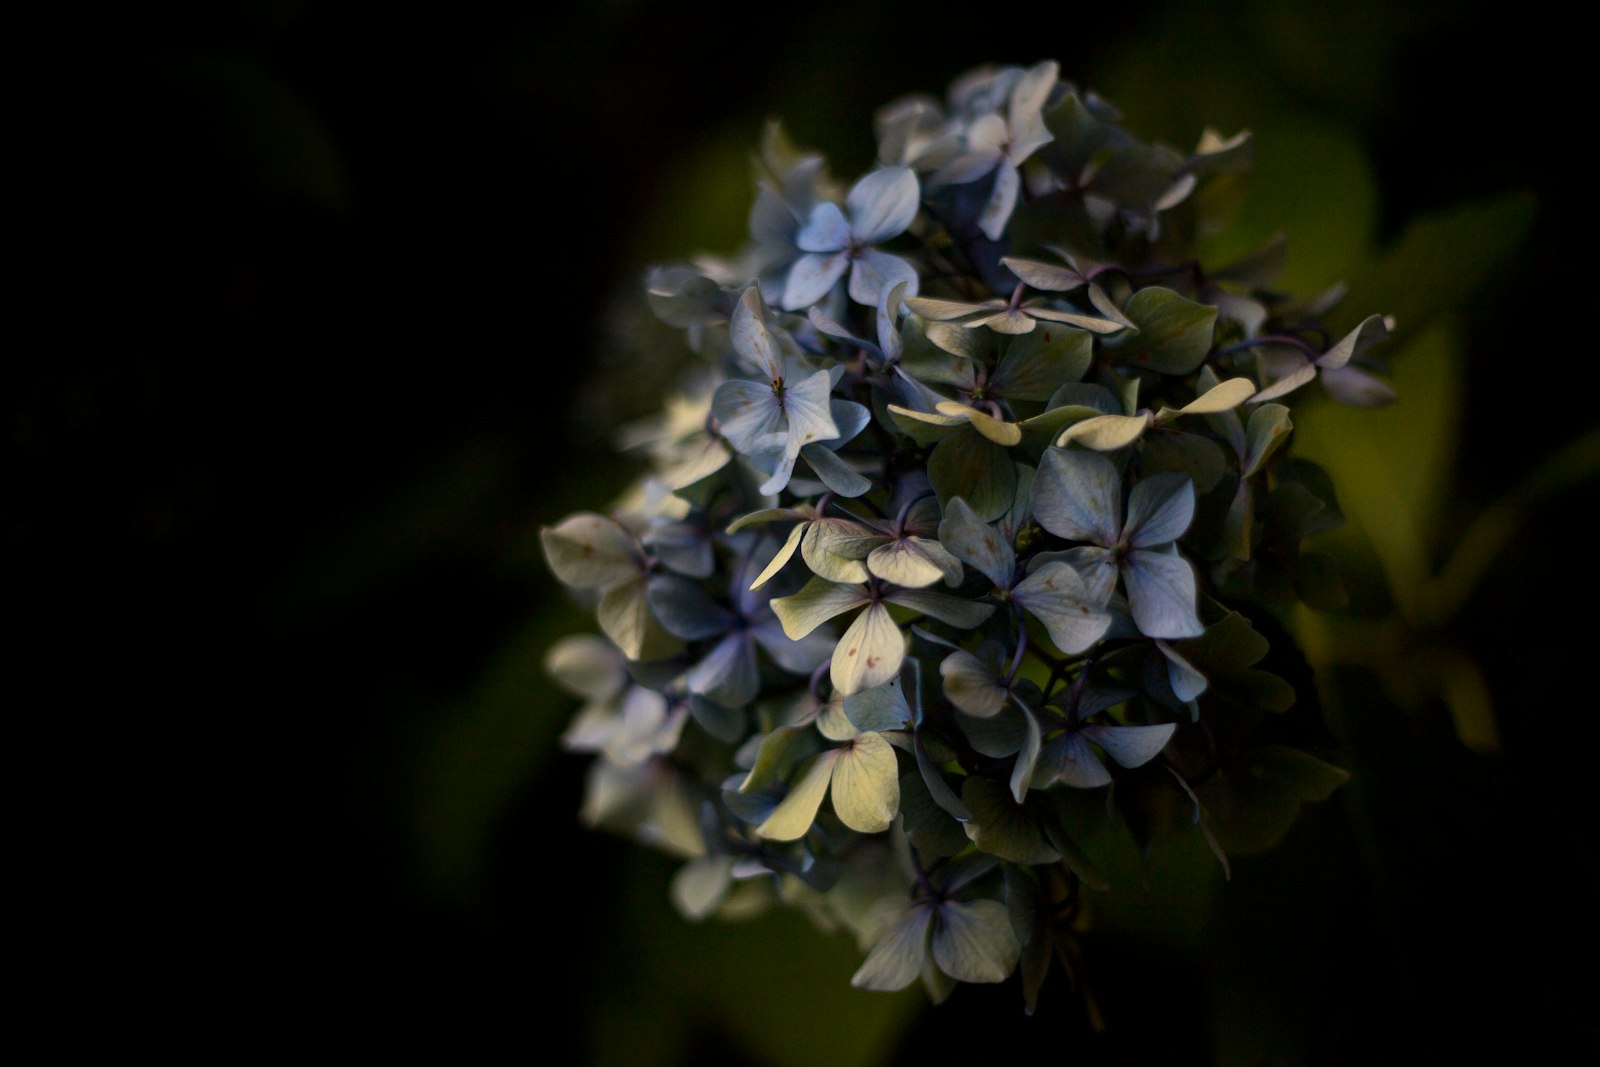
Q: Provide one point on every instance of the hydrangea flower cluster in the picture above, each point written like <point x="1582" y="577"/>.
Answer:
<point x="942" y="567"/>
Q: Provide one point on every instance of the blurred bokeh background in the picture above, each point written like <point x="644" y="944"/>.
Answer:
<point x="354" y="308"/>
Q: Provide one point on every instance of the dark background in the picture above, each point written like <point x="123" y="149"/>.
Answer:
<point x="335" y="313"/>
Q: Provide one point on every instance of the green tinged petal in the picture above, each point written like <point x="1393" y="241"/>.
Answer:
<point x="588" y="551"/>
<point x="586" y="666"/>
<point x="914" y="563"/>
<point x="971" y="685"/>
<point x="1225" y="396"/>
<point x="1268" y="428"/>
<point x="625" y="617"/>
<point x="784" y="554"/>
<point x="869" y="653"/>
<point x="881" y="708"/>
<point x="819" y="601"/>
<point x="960" y="613"/>
<point x="798" y="810"/>
<point x="1105" y="433"/>
<point x="997" y="430"/>
<point x="973" y="941"/>
<point x="866" y="784"/>
<point x="923" y="427"/>
<point x="1036" y="365"/>
<point x="699" y="885"/>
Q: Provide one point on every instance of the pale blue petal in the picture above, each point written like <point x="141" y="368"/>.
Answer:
<point x="882" y="205"/>
<point x="772" y="222"/>
<point x="1057" y="596"/>
<point x="812" y="275"/>
<point x="1131" y="746"/>
<point x="1078" y="495"/>
<point x="826" y="230"/>
<point x="965" y="168"/>
<point x="896" y="960"/>
<point x="685" y="609"/>
<point x="727" y="674"/>
<point x="1351" y="385"/>
<point x="796" y="657"/>
<point x="873" y="272"/>
<point x="977" y="543"/>
<point x="771" y="456"/>
<point x="834" y="472"/>
<point x="1187" y="683"/>
<point x="851" y="418"/>
<point x="1002" y="200"/>
<point x="1028" y="96"/>
<point x="752" y="341"/>
<point x="809" y="413"/>
<point x="746" y="412"/>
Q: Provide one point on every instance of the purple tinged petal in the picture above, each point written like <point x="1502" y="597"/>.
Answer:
<point x="973" y="941"/>
<point x="1161" y="594"/>
<point x="1079" y="766"/>
<point x="1160" y="509"/>
<point x="1131" y="746"/>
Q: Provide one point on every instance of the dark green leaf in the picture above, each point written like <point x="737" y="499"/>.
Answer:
<point x="1001" y="827"/>
<point x="1174" y="335"/>
<point x="968" y="465"/>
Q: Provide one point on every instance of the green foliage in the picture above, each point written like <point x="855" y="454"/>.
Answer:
<point x="963" y="522"/>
